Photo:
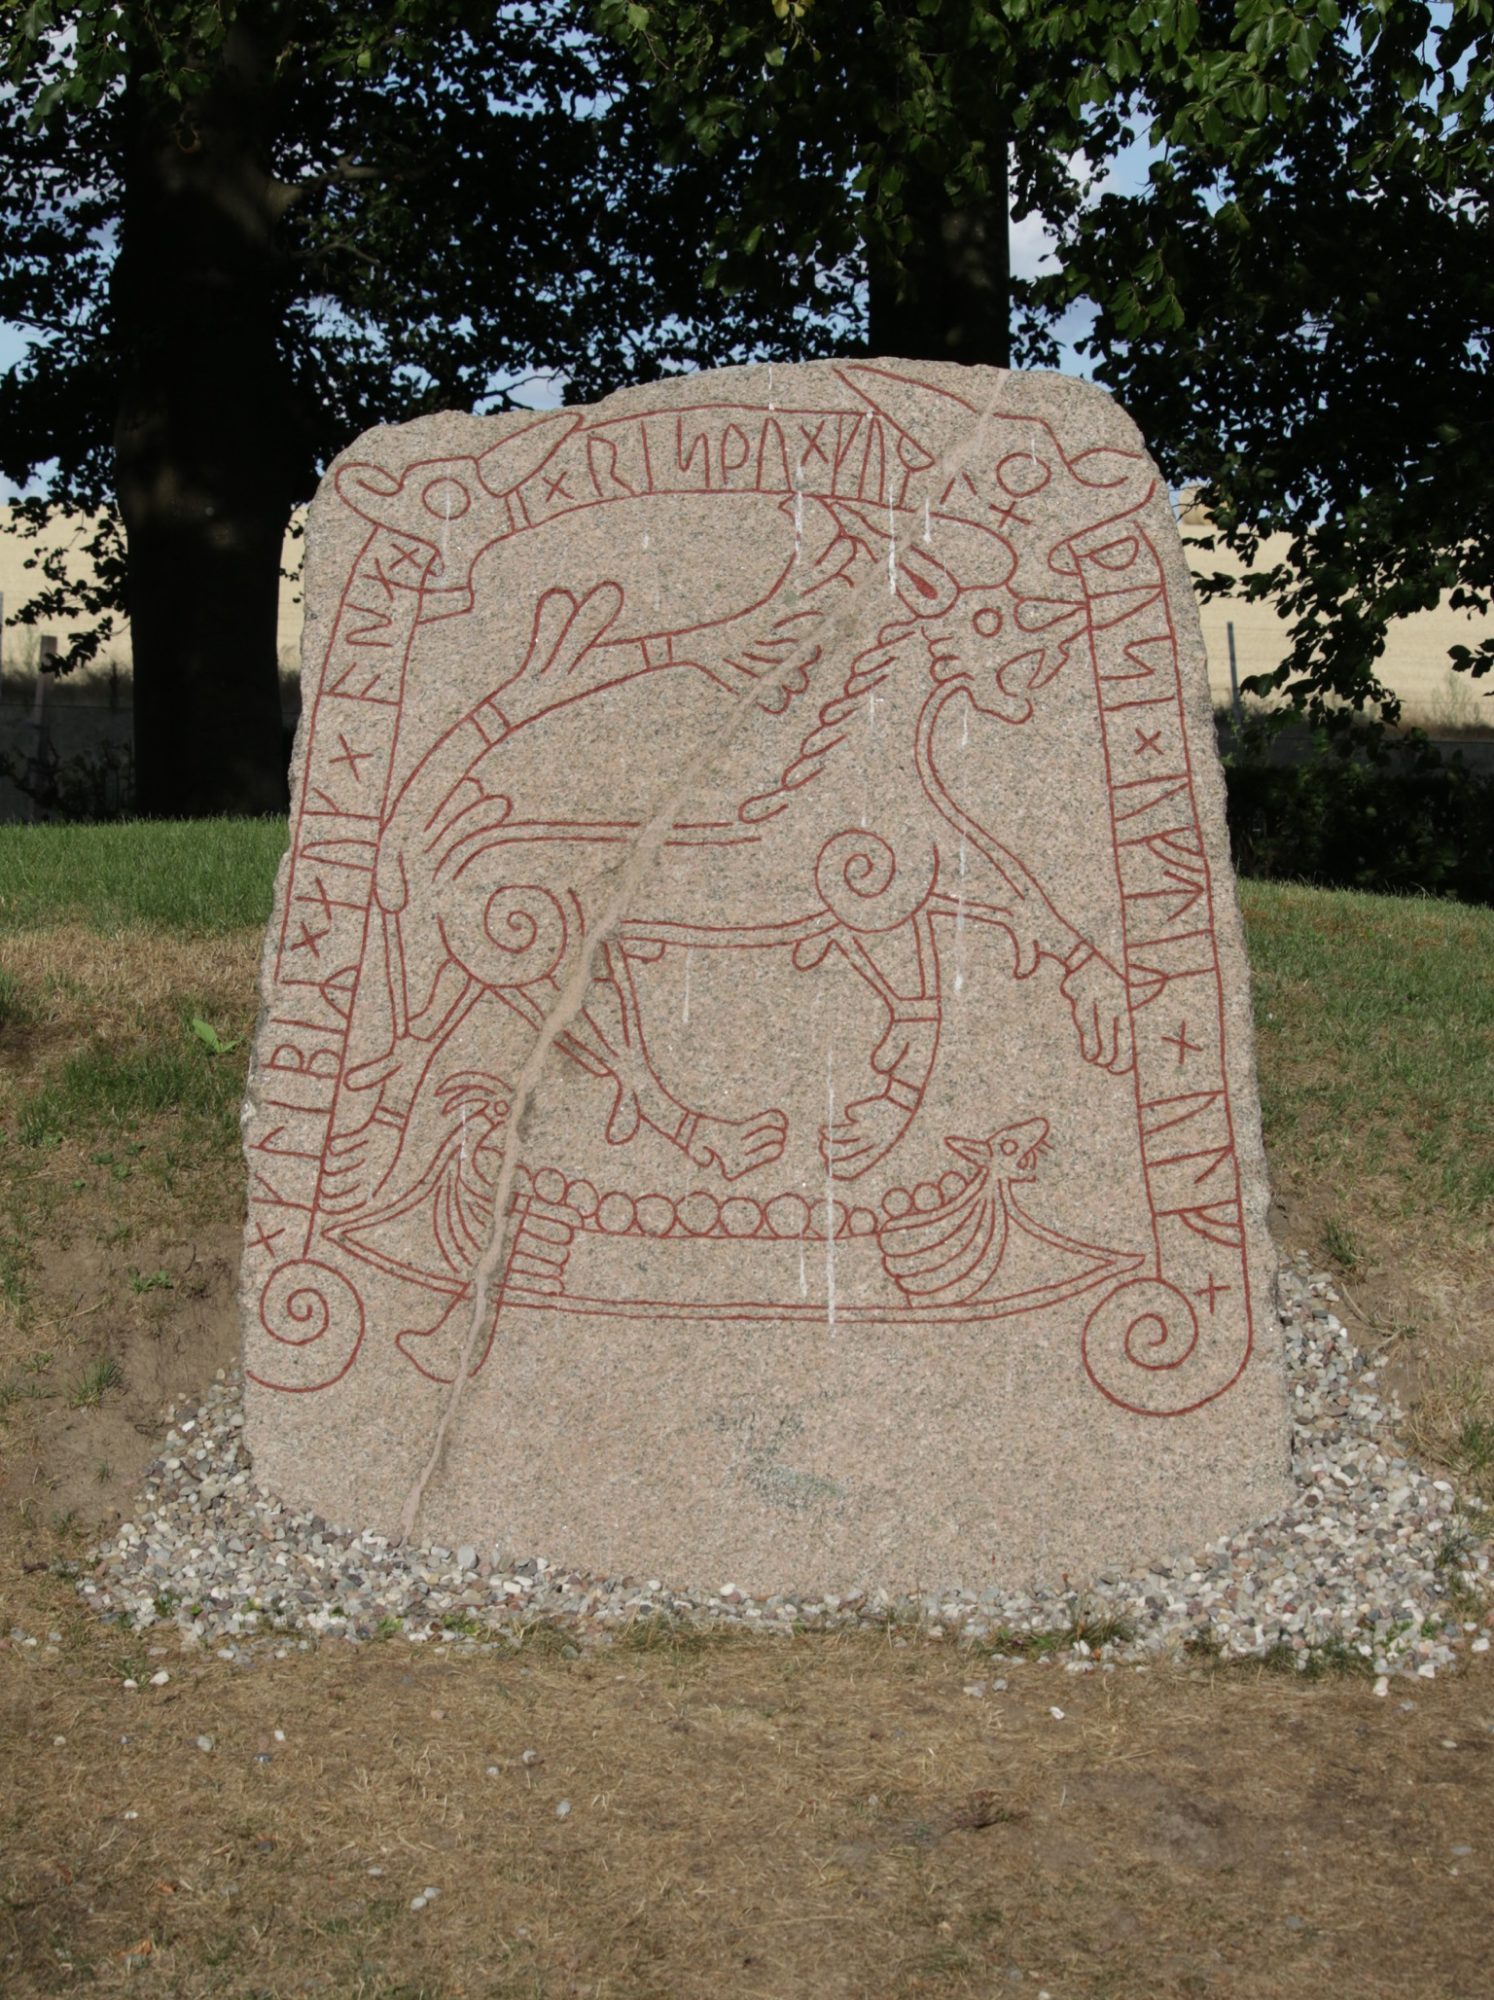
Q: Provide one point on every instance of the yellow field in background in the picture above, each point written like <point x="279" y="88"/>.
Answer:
<point x="18" y="648"/>
<point x="1415" y="664"/>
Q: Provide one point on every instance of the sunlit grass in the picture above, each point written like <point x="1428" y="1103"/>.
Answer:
<point x="105" y="1088"/>
<point x="201" y="877"/>
<point x="1375" y="1030"/>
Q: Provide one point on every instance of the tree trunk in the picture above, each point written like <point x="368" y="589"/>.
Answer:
<point x="204" y="438"/>
<point x="952" y="299"/>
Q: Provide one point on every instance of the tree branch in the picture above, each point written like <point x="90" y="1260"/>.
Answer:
<point x="348" y="172"/>
<point x="323" y="251"/>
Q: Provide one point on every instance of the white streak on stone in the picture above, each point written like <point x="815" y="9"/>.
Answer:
<point x="959" y="978"/>
<point x="829" y="1189"/>
<point x="627" y="878"/>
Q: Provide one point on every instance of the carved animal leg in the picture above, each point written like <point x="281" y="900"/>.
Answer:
<point x="373" y="1113"/>
<point x="610" y="1033"/>
<point x="1095" y="991"/>
<point x="902" y="968"/>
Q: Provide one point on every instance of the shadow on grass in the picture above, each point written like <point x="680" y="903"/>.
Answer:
<point x="103" y="1087"/>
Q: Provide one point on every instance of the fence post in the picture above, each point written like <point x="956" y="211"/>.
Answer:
<point x="43" y="762"/>
<point x="1234" y="676"/>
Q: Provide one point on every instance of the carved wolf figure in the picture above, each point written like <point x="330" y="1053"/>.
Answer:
<point x="484" y="891"/>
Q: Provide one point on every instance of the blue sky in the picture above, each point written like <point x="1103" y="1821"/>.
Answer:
<point x="1030" y="247"/>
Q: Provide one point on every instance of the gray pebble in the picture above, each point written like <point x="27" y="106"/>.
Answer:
<point x="1360" y="1559"/>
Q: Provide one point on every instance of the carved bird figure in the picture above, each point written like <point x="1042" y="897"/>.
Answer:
<point x="949" y="1254"/>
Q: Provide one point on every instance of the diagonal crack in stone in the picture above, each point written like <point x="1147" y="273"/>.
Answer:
<point x="629" y="874"/>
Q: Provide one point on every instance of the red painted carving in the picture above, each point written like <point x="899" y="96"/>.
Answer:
<point x="431" y="885"/>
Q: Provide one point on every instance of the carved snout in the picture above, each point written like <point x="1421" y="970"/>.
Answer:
<point x="1014" y="1150"/>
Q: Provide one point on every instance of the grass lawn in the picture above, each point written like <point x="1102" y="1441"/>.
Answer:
<point x="1375" y="1047"/>
<point x="1375" y="1027"/>
<point x="200" y="878"/>
<point x="822" y="1816"/>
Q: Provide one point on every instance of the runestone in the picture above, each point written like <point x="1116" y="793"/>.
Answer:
<point x="755" y="1078"/>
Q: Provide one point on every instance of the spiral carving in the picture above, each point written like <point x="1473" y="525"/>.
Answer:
<point x="1142" y="1350"/>
<point x="865" y="885"/>
<point x="314" y="1318"/>
<point x="516" y="938"/>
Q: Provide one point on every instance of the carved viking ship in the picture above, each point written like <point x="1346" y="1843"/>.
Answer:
<point x="949" y="1254"/>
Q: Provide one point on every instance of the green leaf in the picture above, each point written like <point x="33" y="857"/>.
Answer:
<point x="208" y="1035"/>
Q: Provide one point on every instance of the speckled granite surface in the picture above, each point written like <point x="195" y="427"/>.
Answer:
<point x="755" y="1076"/>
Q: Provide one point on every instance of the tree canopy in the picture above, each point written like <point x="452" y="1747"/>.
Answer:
<point x="1295" y="304"/>
<point x="244" y="230"/>
<point x="891" y="138"/>
<point x="1298" y="310"/>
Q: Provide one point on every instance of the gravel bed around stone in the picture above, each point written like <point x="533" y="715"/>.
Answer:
<point x="1376" y="1565"/>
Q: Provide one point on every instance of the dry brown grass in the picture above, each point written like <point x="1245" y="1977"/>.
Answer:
<point x="80" y="982"/>
<point x="826" y="1817"/>
<point x="819" y="1816"/>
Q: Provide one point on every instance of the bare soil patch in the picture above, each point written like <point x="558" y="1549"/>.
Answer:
<point x="120" y="1216"/>
<point x="86" y="1458"/>
<point x="1418" y="1293"/>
